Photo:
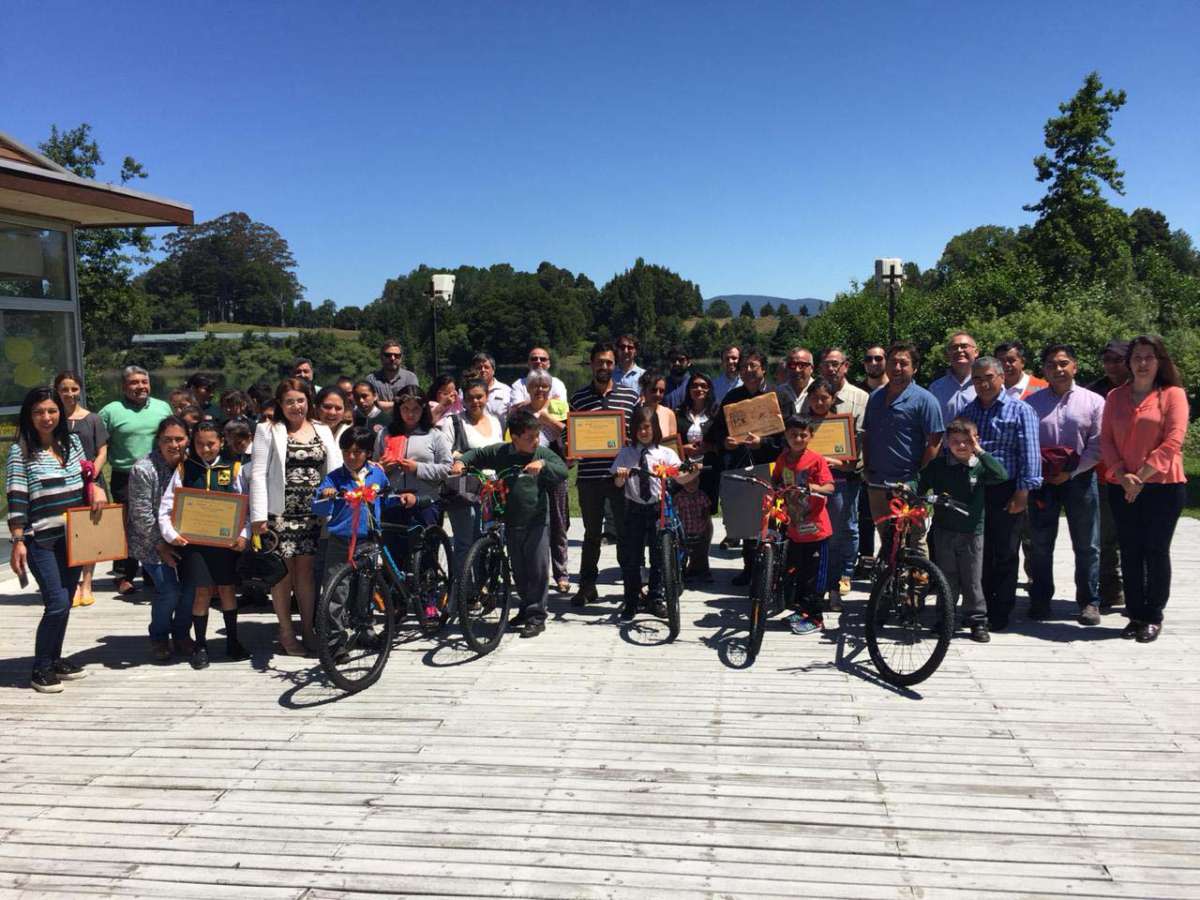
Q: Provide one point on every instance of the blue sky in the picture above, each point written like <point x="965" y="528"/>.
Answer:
<point x="772" y="148"/>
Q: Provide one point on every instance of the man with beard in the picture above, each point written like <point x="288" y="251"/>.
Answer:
<point x="594" y="481"/>
<point x="677" y="378"/>
<point x="874" y="367"/>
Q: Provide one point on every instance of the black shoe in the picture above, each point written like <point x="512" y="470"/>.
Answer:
<point x="1148" y="633"/>
<point x="533" y="629"/>
<point x="998" y="624"/>
<point x="658" y="608"/>
<point x="1089" y="615"/>
<point x="44" y="681"/>
<point x="1039" y="612"/>
<point x="235" y="651"/>
<point x="585" y="595"/>
<point x="518" y="620"/>
<point x="979" y="633"/>
<point x="1130" y="631"/>
<point x="628" y="611"/>
<point x="730" y="543"/>
<point x="199" y="658"/>
<point x="742" y="579"/>
<point x="67" y="670"/>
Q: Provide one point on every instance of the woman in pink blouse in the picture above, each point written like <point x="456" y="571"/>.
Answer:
<point x="1141" y="440"/>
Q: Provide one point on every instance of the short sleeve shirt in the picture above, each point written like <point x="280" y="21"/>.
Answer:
<point x="895" y="434"/>
<point x="809" y="521"/>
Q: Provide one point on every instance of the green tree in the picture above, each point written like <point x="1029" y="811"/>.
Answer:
<point x="112" y="307"/>
<point x="1078" y="234"/>
<point x="747" y="311"/>
<point x="789" y="332"/>
<point x="719" y="309"/>
<point x="635" y="300"/>
<point x="767" y="310"/>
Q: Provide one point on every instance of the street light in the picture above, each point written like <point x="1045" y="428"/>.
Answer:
<point x="889" y="280"/>
<point x="441" y="289"/>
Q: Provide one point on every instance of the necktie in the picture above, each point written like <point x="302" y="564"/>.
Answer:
<point x="643" y="475"/>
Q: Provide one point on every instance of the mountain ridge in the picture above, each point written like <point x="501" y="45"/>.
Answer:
<point x="757" y="301"/>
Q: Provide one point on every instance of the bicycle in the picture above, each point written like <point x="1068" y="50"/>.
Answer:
<point x="910" y="599"/>
<point x="767" y="594"/>
<point x="484" y="588"/>
<point x="669" y="543"/>
<point x="356" y="614"/>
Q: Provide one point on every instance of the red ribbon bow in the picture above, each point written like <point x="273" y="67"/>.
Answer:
<point x="356" y="497"/>
<point x="493" y="496"/>
<point x="88" y="468"/>
<point x="900" y="513"/>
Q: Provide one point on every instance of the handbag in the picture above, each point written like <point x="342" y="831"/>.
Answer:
<point x="1057" y="460"/>
<point x="262" y="566"/>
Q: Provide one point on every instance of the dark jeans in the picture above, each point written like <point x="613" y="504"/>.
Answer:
<point x="560" y="522"/>
<point x="1079" y="498"/>
<point x="57" y="584"/>
<point x="529" y="557"/>
<point x="125" y="568"/>
<point x="637" y="531"/>
<point x="593" y="492"/>
<point x="1111" y="589"/>
<point x="807" y="569"/>
<point x="171" y="608"/>
<point x="1001" y="546"/>
<point x="1144" y="531"/>
<point x="398" y="542"/>
<point x="866" y="529"/>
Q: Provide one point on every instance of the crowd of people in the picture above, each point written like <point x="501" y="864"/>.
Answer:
<point x="1016" y="450"/>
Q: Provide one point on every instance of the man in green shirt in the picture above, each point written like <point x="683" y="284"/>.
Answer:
<point x="963" y="473"/>
<point x="526" y="513"/>
<point x="131" y="423"/>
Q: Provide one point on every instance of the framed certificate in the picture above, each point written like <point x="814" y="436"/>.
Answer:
<point x="209" y="518"/>
<point x="758" y="416"/>
<point x="592" y="435"/>
<point x="835" y="436"/>
<point x="93" y="541"/>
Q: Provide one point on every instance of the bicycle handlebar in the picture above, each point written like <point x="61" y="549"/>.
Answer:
<point x="943" y="500"/>
<point x="770" y="486"/>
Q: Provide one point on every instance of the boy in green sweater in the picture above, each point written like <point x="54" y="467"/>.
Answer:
<point x="526" y="513"/>
<point x="957" y="539"/>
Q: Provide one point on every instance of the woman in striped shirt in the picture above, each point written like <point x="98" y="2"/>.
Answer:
<point x="44" y="479"/>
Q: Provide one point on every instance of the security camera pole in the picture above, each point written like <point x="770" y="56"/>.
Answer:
<point x="889" y="279"/>
<point x="441" y="288"/>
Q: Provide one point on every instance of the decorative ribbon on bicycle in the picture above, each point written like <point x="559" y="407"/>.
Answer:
<point x="493" y="496"/>
<point x="900" y="514"/>
<point x="662" y="471"/>
<point x="356" y="497"/>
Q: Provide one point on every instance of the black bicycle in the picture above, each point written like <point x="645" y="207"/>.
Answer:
<point x="357" y="613"/>
<point x="910" y="615"/>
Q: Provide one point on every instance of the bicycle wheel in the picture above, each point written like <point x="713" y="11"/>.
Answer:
<point x="484" y="595"/>
<point x="433" y="580"/>
<point x="355" y="624"/>
<point x="672" y="582"/>
<point x="910" y="618"/>
<point x="762" y="585"/>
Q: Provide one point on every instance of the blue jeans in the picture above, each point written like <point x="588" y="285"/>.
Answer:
<point x="843" y="517"/>
<point x="171" y="608"/>
<point x="57" y="584"/>
<point x="1081" y="500"/>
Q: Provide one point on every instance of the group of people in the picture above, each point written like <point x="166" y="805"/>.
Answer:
<point x="1014" y="449"/>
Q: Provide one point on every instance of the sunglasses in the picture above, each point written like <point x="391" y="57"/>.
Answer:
<point x="392" y="355"/>
<point x="872" y="359"/>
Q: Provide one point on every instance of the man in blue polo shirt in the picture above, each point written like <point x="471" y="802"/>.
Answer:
<point x="902" y="431"/>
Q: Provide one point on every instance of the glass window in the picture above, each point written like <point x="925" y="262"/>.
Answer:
<point x="34" y="346"/>
<point x="33" y="263"/>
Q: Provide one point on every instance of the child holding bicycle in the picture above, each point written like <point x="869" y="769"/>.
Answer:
<point x="958" y="540"/>
<point x="808" y="526"/>
<point x="209" y="570"/>
<point x="526" y="511"/>
<point x="633" y="470"/>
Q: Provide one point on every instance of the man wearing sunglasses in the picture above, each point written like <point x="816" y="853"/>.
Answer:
<point x="875" y="368"/>
<point x="391" y="377"/>
<point x="954" y="390"/>
<point x="792" y="392"/>
<point x="628" y="373"/>
<point x="539" y="358"/>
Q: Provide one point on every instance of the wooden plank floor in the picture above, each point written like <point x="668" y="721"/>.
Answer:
<point x="591" y="762"/>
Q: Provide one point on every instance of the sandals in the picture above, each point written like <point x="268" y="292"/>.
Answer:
<point x="125" y="587"/>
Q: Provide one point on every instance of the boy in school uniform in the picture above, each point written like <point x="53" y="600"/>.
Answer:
<point x="526" y="513"/>
<point x="963" y="473"/>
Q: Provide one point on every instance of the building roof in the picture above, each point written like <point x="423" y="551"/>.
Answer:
<point x="32" y="184"/>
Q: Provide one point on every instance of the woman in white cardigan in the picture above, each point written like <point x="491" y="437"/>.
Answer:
<point x="292" y="453"/>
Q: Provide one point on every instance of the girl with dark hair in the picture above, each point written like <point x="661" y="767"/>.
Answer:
<point x="45" y="478"/>
<point x="653" y="387"/>
<point x="331" y="410"/>
<point x="444" y="402"/>
<point x="90" y="430"/>
<point x="1141" y="441"/>
<point x="471" y="429"/>
<point x="170" y="610"/>
<point x="208" y="572"/>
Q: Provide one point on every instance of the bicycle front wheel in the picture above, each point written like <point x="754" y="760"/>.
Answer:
<point x="762" y="586"/>
<point x="668" y="561"/>
<point x="355" y="624"/>
<point x="432" y="586"/>
<point x="484" y="595"/>
<point x="910" y="619"/>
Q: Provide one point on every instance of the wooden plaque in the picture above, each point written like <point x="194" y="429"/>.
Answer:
<point x="834" y="436"/>
<point x="91" y="541"/>
<point x="209" y="518"/>
<point x="759" y="416"/>
<point x="595" y="435"/>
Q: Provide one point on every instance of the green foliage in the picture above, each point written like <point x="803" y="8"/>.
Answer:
<point x="635" y="301"/>
<point x="767" y="310"/>
<point x="789" y="333"/>
<point x="719" y="309"/>
<point x="704" y="340"/>
<point x="747" y="311"/>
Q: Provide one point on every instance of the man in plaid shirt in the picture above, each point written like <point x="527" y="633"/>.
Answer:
<point x="1008" y="430"/>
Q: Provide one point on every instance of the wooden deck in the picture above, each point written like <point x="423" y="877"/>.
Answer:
<point x="591" y="763"/>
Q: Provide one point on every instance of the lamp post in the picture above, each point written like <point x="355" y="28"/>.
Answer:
<point x="889" y="280"/>
<point x="441" y="288"/>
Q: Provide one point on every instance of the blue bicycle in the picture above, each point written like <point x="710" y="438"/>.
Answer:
<point x="669" y="546"/>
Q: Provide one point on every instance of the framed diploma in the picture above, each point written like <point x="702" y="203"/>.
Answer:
<point x="758" y="415"/>
<point x="209" y="518"/>
<point x="99" y="540"/>
<point x="834" y="436"/>
<point x="597" y="434"/>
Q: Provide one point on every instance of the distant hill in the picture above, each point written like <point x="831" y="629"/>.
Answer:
<point x="757" y="301"/>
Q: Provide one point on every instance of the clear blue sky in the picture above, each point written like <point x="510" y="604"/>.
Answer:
<point x="752" y="147"/>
